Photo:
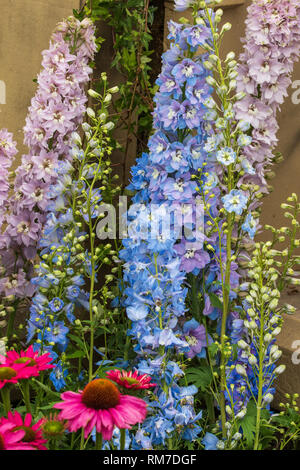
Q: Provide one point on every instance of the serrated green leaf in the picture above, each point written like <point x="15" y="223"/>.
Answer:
<point x="201" y="377"/>
<point x="248" y="424"/>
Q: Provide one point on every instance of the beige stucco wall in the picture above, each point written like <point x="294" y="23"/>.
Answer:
<point x="25" y="30"/>
<point x="287" y="173"/>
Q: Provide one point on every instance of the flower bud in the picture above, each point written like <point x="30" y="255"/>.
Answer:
<point x="241" y="370"/>
<point x="113" y="90"/>
<point x="91" y="113"/>
<point x="242" y="344"/>
<point x="252" y="360"/>
<point x="93" y="94"/>
<point x="226" y="27"/>
<point x="268" y="398"/>
<point x="280" y="369"/>
<point x="76" y="138"/>
<point x="109" y="126"/>
<point x="108" y="98"/>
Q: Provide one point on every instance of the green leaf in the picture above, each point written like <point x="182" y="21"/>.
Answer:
<point x="215" y="301"/>
<point x="76" y="354"/>
<point x="213" y="349"/>
<point x="248" y="424"/>
<point x="77" y="340"/>
<point x="45" y="388"/>
<point x="201" y="377"/>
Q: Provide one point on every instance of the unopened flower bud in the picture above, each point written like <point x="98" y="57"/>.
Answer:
<point x="93" y="94"/>
<point x="241" y="370"/>
<point x="91" y="113"/>
<point x="280" y="369"/>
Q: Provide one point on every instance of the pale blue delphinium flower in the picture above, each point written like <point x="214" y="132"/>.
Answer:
<point x="235" y="201"/>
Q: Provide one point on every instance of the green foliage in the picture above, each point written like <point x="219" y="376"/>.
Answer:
<point x="130" y="21"/>
<point x="200" y="376"/>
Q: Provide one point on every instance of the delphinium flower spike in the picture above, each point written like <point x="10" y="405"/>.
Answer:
<point x="157" y="263"/>
<point x="55" y="113"/>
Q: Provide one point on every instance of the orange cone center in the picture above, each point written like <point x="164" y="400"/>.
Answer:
<point x="100" y="394"/>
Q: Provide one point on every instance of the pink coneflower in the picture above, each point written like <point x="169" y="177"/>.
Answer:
<point x="29" y="358"/>
<point x="12" y="440"/>
<point x="32" y="432"/>
<point x="101" y="405"/>
<point x="13" y="373"/>
<point x="130" y="379"/>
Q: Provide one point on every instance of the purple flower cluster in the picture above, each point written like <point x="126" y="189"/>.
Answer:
<point x="55" y="113"/>
<point x="8" y="151"/>
<point x="272" y="45"/>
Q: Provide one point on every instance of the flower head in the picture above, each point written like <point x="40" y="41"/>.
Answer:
<point x="12" y="440"/>
<point x="181" y="5"/>
<point x="226" y="156"/>
<point x="30" y="358"/>
<point x="53" y="427"/>
<point x="235" y="201"/>
<point x="130" y="380"/>
<point x="13" y="373"/>
<point x="101" y="404"/>
<point x="195" y="336"/>
<point x="250" y="225"/>
<point x="32" y="432"/>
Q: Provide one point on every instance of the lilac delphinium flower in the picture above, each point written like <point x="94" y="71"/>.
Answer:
<point x="181" y="5"/>
<point x="54" y="114"/>
<point x="272" y="45"/>
<point x="13" y="277"/>
<point x="68" y="255"/>
<point x="8" y="151"/>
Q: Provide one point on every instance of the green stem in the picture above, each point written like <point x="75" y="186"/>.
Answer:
<point x="5" y="395"/>
<point x="11" y="321"/>
<point x="260" y="372"/>
<point x="26" y="395"/>
<point x="225" y="289"/>
<point x="122" y="439"/>
<point x="98" y="445"/>
<point x="82" y="439"/>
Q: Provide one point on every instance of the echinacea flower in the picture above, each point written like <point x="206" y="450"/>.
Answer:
<point x="30" y="358"/>
<point x="12" y="440"/>
<point x="13" y="373"/>
<point x="101" y="405"/>
<point x="32" y="432"/>
<point x="130" y="380"/>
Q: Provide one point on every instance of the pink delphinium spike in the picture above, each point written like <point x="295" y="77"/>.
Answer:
<point x="272" y="45"/>
<point x="55" y="112"/>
